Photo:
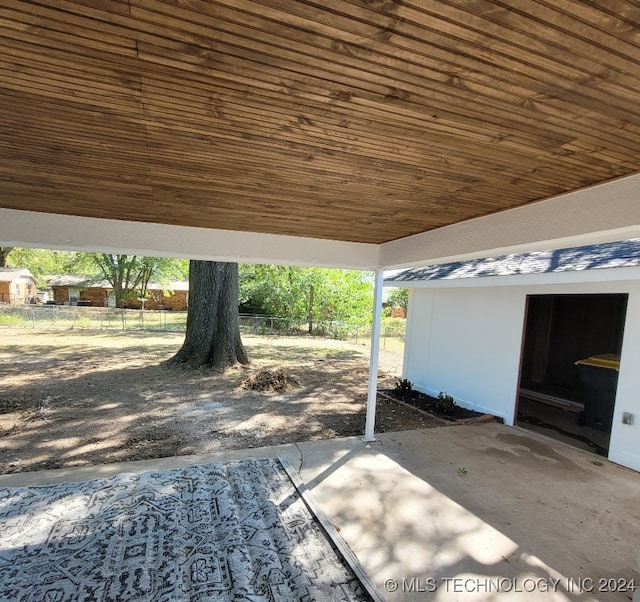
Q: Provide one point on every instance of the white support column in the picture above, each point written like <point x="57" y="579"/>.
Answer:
<point x="373" y="361"/>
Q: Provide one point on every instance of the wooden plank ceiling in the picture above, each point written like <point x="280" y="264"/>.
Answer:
<point x="355" y="120"/>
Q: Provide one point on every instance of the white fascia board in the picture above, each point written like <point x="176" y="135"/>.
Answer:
<point x="568" y="277"/>
<point x="53" y="231"/>
<point x="603" y="213"/>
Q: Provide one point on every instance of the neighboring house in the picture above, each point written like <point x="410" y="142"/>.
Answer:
<point x="68" y="289"/>
<point x="398" y="312"/>
<point x="17" y="286"/>
<point x="74" y="289"/>
<point x="174" y="296"/>
<point x="393" y="311"/>
<point x="546" y="340"/>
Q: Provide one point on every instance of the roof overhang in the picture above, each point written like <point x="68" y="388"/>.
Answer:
<point x="602" y="213"/>
<point x="599" y="262"/>
<point x="619" y="275"/>
<point x="17" y="275"/>
<point x="53" y="231"/>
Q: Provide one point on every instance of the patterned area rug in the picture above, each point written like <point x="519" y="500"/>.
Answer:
<point x="224" y="531"/>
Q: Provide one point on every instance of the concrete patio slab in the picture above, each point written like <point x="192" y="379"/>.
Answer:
<point x="476" y="512"/>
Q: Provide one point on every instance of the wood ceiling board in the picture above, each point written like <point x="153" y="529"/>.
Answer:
<point x="466" y="116"/>
<point x="303" y="124"/>
<point x="350" y="120"/>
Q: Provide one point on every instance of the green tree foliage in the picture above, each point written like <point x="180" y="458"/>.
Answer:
<point x="306" y="295"/>
<point x="45" y="262"/>
<point x="125" y="273"/>
<point x="398" y="297"/>
<point x="312" y="296"/>
<point x="4" y="252"/>
<point x="130" y="275"/>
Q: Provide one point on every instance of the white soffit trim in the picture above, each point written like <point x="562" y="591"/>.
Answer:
<point x="53" y="231"/>
<point x="602" y="213"/>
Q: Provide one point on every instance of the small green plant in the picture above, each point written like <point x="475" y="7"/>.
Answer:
<point x="404" y="387"/>
<point x="462" y="471"/>
<point x="445" y="403"/>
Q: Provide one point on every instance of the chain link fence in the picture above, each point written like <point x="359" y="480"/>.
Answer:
<point x="62" y="317"/>
<point x="391" y="334"/>
<point x="46" y="317"/>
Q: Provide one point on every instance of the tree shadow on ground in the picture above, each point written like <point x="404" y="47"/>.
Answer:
<point x="91" y="404"/>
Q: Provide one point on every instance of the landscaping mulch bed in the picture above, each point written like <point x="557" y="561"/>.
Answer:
<point x="431" y="405"/>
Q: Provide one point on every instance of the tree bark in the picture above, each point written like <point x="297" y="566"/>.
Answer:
<point x="213" y="333"/>
<point x="4" y="251"/>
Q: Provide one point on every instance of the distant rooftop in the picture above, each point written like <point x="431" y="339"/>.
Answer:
<point x="11" y="274"/>
<point x="72" y="280"/>
<point x="620" y="254"/>
<point x="81" y="281"/>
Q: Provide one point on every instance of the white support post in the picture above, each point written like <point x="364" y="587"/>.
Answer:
<point x="373" y="361"/>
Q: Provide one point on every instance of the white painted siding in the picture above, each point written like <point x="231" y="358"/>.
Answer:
<point x="418" y="335"/>
<point x="625" y="439"/>
<point x="467" y="342"/>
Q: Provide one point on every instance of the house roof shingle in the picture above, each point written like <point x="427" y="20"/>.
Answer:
<point x="12" y="274"/>
<point x="72" y="280"/>
<point x="619" y="254"/>
<point x="82" y="281"/>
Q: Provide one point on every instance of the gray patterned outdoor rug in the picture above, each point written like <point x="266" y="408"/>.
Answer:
<point x="224" y="531"/>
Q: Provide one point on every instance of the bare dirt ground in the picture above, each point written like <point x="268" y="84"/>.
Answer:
<point x="70" y="398"/>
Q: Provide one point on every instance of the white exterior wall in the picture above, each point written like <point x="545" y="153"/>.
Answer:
<point x="467" y="341"/>
<point x="625" y="439"/>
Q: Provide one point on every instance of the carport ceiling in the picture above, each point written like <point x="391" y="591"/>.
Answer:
<point x="359" y="120"/>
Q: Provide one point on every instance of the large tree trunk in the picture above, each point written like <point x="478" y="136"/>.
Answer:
<point x="213" y="333"/>
<point x="4" y="251"/>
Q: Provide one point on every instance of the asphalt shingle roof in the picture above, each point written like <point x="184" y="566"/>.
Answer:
<point x="624" y="253"/>
<point x="11" y="274"/>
